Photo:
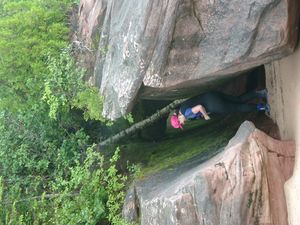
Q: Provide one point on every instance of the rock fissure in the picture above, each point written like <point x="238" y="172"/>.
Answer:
<point x="197" y="18"/>
<point x="209" y="196"/>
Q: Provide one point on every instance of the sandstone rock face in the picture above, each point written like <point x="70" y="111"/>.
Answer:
<point x="283" y="83"/>
<point x="239" y="186"/>
<point x="90" y="14"/>
<point x="173" y="48"/>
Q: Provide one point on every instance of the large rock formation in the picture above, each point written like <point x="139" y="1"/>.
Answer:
<point x="241" y="185"/>
<point x="283" y="83"/>
<point x="171" y="48"/>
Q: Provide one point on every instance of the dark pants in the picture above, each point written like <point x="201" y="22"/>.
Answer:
<point x="216" y="102"/>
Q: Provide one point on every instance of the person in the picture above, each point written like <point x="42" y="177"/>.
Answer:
<point x="216" y="102"/>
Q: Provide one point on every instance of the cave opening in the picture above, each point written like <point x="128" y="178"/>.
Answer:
<point x="254" y="79"/>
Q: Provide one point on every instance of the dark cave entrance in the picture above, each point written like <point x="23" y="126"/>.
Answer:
<point x="253" y="79"/>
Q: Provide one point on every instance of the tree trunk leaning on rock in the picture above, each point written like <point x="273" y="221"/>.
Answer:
<point x="140" y="125"/>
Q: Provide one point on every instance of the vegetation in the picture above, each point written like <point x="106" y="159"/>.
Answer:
<point x="30" y="31"/>
<point x="50" y="172"/>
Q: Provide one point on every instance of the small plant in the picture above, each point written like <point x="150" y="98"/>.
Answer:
<point x="115" y="190"/>
<point x="134" y="169"/>
<point x="129" y="118"/>
<point x="250" y="200"/>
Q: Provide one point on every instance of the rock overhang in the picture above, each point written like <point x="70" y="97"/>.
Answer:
<point x="164" y="46"/>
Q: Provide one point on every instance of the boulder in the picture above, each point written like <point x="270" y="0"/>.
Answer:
<point x="241" y="185"/>
<point x="171" y="49"/>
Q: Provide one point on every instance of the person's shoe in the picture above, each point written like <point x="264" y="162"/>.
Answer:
<point x="262" y="93"/>
<point x="263" y="107"/>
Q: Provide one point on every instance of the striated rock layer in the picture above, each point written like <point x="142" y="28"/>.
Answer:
<point x="242" y="185"/>
<point x="171" y="48"/>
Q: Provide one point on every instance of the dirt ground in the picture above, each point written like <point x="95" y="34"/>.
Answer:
<point x="283" y="84"/>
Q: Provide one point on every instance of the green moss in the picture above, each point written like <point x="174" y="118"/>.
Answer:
<point x="250" y="200"/>
<point x="198" y="137"/>
<point x="95" y="40"/>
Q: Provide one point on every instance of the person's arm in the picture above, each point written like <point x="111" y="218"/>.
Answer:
<point x="201" y="109"/>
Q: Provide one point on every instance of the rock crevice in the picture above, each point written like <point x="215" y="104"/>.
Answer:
<point x="173" y="48"/>
<point x="243" y="185"/>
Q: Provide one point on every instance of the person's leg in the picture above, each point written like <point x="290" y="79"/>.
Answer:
<point x="230" y="107"/>
<point x="242" y="98"/>
<point x="216" y="103"/>
<point x="212" y="102"/>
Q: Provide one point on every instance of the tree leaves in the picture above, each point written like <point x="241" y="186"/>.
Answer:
<point x="29" y="32"/>
<point x="49" y="170"/>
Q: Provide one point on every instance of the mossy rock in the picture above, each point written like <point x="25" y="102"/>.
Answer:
<point x="199" y="138"/>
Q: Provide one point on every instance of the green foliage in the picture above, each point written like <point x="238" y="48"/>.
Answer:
<point x="90" y="102"/>
<point x="100" y="192"/>
<point x="30" y="30"/>
<point x="79" y="189"/>
<point x="129" y="118"/>
<point x="115" y="189"/>
<point x="62" y="84"/>
<point x="31" y="142"/>
<point x="1" y="188"/>
<point x="49" y="171"/>
<point x="66" y="89"/>
<point x="87" y="204"/>
<point x="134" y="169"/>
